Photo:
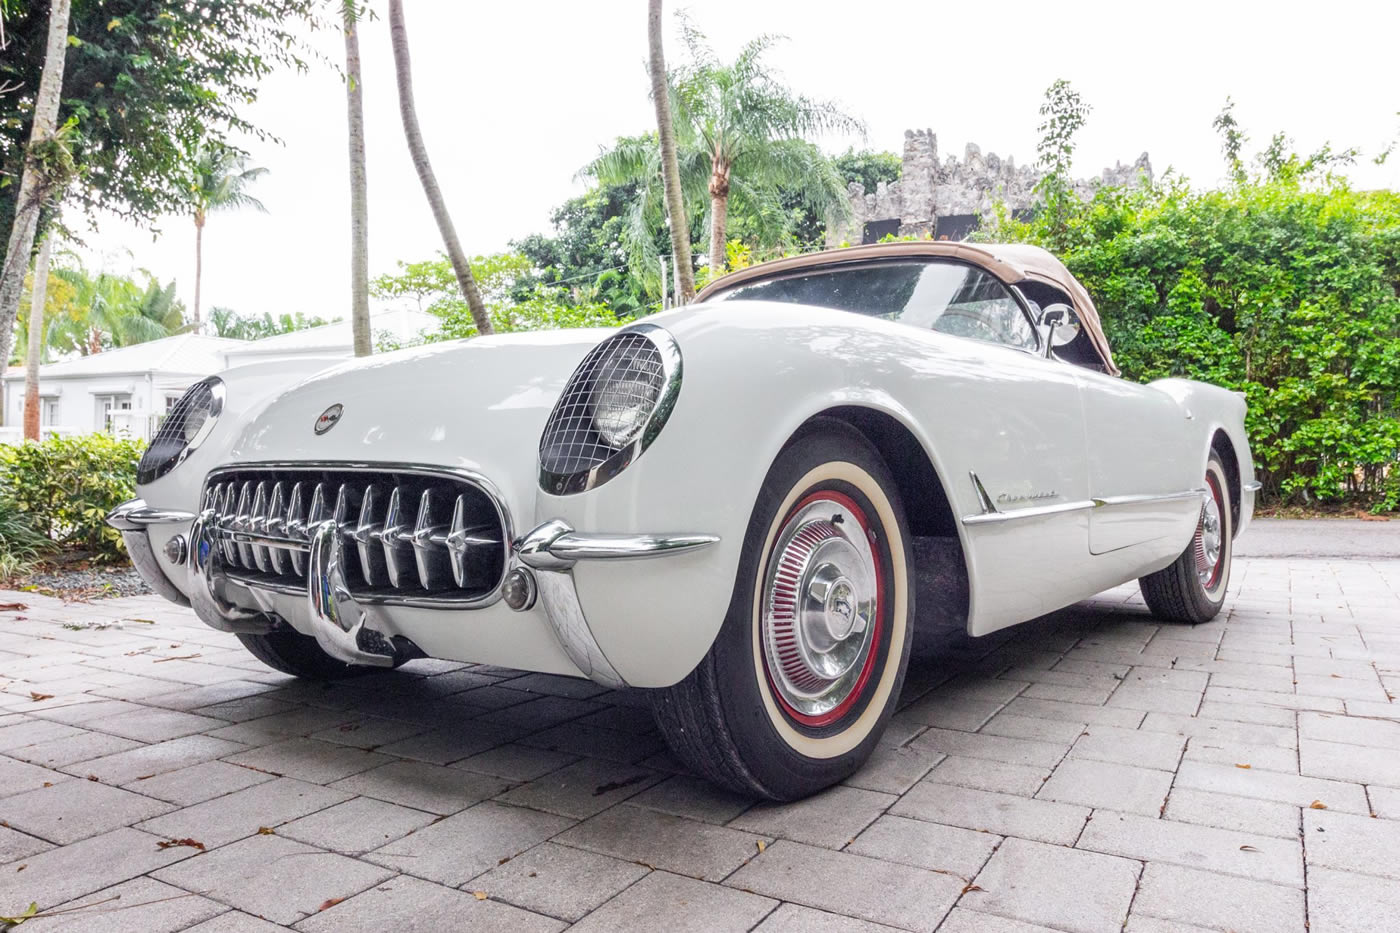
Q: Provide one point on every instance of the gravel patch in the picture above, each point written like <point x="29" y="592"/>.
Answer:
<point x="88" y="583"/>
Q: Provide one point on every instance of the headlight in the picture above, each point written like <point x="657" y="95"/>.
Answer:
<point x="611" y="410"/>
<point x="187" y="426"/>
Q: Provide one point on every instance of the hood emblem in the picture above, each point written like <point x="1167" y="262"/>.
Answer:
<point x="329" y="418"/>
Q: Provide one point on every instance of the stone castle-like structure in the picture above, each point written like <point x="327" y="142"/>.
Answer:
<point x="945" y="200"/>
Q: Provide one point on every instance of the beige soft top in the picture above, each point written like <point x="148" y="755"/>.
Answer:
<point x="1012" y="263"/>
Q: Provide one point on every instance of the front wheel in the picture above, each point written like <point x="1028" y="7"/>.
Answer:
<point x="809" y="662"/>
<point x="1192" y="588"/>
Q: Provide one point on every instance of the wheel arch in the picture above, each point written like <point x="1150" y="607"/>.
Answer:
<point x="1221" y="444"/>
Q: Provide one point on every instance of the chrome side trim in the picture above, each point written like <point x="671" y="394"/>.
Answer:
<point x="135" y="514"/>
<point x="556" y="546"/>
<point x="1253" y="487"/>
<point x="1082" y="505"/>
<point x="983" y="497"/>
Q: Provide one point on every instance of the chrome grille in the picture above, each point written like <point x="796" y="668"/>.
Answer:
<point x="573" y="454"/>
<point x="406" y="533"/>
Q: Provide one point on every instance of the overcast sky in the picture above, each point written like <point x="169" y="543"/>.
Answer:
<point x="515" y="97"/>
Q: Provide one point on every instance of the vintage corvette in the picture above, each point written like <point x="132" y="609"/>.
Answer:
<point x="719" y="504"/>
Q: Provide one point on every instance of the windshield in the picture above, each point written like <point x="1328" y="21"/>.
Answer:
<point x="948" y="297"/>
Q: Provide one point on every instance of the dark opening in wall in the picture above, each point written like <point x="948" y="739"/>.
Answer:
<point x="877" y="230"/>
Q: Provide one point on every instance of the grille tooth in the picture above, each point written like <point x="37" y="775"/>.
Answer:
<point x="346" y="502"/>
<point x="257" y="524"/>
<point x="470" y="548"/>
<point x="242" y="520"/>
<point x="367" y="535"/>
<point x="429" y="546"/>
<point x="318" y="511"/>
<point x="211" y="496"/>
<point x="277" y="527"/>
<point x="296" y="526"/>
<point x="228" y="514"/>
<point x="396" y="537"/>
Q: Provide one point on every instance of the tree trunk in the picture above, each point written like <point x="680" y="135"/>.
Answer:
<point x="670" y="168"/>
<point x="359" y="196"/>
<point x="198" y="265"/>
<point x="719" y="215"/>
<point x="33" y="190"/>
<point x="404" y="72"/>
<point x="36" y="341"/>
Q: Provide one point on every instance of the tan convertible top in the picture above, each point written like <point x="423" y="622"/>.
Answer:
<point x="1012" y="263"/>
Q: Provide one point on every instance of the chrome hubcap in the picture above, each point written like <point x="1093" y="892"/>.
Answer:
<point x="1209" y="540"/>
<point x="820" y="597"/>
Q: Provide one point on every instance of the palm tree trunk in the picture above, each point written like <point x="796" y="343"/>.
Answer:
<point x="36" y="341"/>
<point x="404" y="72"/>
<point x="198" y="265"/>
<point x="670" y="168"/>
<point x="719" y="215"/>
<point x="34" y="190"/>
<point x="359" y="196"/>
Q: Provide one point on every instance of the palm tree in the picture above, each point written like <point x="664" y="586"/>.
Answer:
<point x="111" y="310"/>
<point x="221" y="179"/>
<point x="670" y="167"/>
<point x="403" y="71"/>
<point x="746" y="120"/>
<point x="359" y="197"/>
<point x="34" y="356"/>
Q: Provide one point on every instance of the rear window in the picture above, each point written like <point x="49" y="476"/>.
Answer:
<point x="948" y="297"/>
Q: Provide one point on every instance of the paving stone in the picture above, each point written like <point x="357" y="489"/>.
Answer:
<point x="148" y="724"/>
<point x="424" y="786"/>
<point x="1075" y="712"/>
<point x="1369" y="733"/>
<point x="889" y="893"/>
<point x="693" y="798"/>
<point x="1046" y="884"/>
<point x="299" y="721"/>
<point x="671" y="843"/>
<point x="466" y="844"/>
<point x="59" y="875"/>
<point x="1221" y="732"/>
<point x="831" y="818"/>
<point x="962" y="920"/>
<point x="309" y="760"/>
<point x="1003" y="814"/>
<point x="1155" y="699"/>
<point x="73" y="810"/>
<point x="1368" y="765"/>
<point x="253" y="876"/>
<point x="198" y="783"/>
<point x="1352" y="843"/>
<point x="32" y="732"/>
<point x="1104" y="784"/>
<point x="147" y="760"/>
<point x="1130" y="747"/>
<point x="1204" y="808"/>
<point x="141" y="905"/>
<point x="80" y="747"/>
<point x="534" y="715"/>
<point x="978" y="773"/>
<point x="17" y="777"/>
<point x="1222" y="902"/>
<point x="15" y="845"/>
<point x="1261" y="858"/>
<point x="1264" y="757"/>
<point x="1091" y="696"/>
<point x="926" y="845"/>
<point x="689" y="906"/>
<point x="444" y="746"/>
<point x="1042" y="730"/>
<point x="559" y="881"/>
<point x="516" y="762"/>
<point x="242" y="813"/>
<point x="1281" y="717"/>
<point x="991" y="747"/>
<point x="356" y="826"/>
<point x="1269" y="698"/>
<point x="1170" y="678"/>
<point x="1344" y="902"/>
<point x="574" y="738"/>
<point x="1271" y="785"/>
<point x="582" y="789"/>
<point x="370" y="733"/>
<point x="792" y="918"/>
<point x="409" y="904"/>
<point x="1385" y="802"/>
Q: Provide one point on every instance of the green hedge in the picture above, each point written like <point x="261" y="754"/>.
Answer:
<point x="63" y="488"/>
<point x="1282" y="289"/>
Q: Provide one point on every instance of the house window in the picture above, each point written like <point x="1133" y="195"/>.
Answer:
<point x="107" y="406"/>
<point x="48" y="411"/>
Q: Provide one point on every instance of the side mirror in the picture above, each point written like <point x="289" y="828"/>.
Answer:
<point x="1060" y="326"/>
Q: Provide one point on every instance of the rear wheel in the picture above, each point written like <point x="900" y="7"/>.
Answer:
<point x="1193" y="588"/>
<point x="294" y="653"/>
<point x="809" y="662"/>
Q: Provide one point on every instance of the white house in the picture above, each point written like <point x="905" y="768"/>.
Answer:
<point x="123" y="390"/>
<point x="130" y="389"/>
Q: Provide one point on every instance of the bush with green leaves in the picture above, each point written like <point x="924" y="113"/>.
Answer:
<point x="62" y="488"/>
<point x="20" y="543"/>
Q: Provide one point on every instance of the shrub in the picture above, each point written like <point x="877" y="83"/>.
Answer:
<point x="20" y="543"/>
<point x="62" y="488"/>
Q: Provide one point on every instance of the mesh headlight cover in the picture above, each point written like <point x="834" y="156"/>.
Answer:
<point x="183" y="430"/>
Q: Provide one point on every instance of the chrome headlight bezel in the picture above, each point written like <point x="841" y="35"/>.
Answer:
<point x="577" y="453"/>
<point x="172" y="445"/>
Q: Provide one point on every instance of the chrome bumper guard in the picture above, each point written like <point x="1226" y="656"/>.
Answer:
<point x="346" y="628"/>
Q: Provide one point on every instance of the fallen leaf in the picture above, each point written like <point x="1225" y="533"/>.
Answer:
<point x="48" y="783"/>
<point x="970" y="887"/>
<point x="16" y="921"/>
<point x="266" y="831"/>
<point x="93" y="777"/>
<point x="330" y="903"/>
<point x="36" y="697"/>
<point x="142" y="621"/>
<point x="13" y="607"/>
<point x="1317" y="805"/>
<point x="173" y="843"/>
<point x="534" y="874"/>
<point x="479" y="895"/>
<point x="1248" y="849"/>
<point x="762" y="845"/>
<point x="1246" y="767"/>
<point x="179" y="657"/>
<point x="22" y="867"/>
<point x="504" y="860"/>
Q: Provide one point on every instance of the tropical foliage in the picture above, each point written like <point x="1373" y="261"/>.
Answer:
<point x="225" y="322"/>
<point x="87" y="312"/>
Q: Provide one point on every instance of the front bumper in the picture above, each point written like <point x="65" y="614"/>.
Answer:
<point x="358" y="632"/>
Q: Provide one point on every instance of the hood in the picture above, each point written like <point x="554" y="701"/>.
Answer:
<point x="479" y="404"/>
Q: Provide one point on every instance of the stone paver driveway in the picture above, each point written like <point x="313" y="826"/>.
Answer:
<point x="1084" y="772"/>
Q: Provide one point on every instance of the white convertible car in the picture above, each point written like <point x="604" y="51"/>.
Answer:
<point x="719" y="504"/>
